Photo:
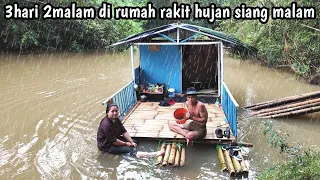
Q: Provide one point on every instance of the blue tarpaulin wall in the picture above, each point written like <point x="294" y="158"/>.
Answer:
<point x="163" y="66"/>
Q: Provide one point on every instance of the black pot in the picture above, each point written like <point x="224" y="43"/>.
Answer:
<point x="143" y="98"/>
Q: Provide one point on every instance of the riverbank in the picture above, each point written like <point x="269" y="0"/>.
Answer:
<point x="313" y="78"/>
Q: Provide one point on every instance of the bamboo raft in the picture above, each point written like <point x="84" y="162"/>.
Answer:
<point x="175" y="155"/>
<point x="289" y="106"/>
<point x="149" y="120"/>
<point x="231" y="164"/>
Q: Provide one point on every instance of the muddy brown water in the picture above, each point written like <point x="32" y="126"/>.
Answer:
<point x="50" y="108"/>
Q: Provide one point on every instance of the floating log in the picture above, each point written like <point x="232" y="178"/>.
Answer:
<point x="183" y="157"/>
<point x="282" y="100"/>
<point x="296" y="113"/>
<point x="229" y="163"/>
<point x="172" y="153"/>
<point x="166" y="155"/>
<point x="236" y="165"/>
<point x="177" y="158"/>
<point x="159" y="158"/>
<point x="286" y="106"/>
<point x="244" y="168"/>
<point x="221" y="159"/>
<point x="290" y="109"/>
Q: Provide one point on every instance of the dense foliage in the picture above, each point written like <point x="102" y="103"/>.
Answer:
<point x="301" y="164"/>
<point x="281" y="42"/>
<point x="305" y="168"/>
<point x="292" y="43"/>
<point x="56" y="35"/>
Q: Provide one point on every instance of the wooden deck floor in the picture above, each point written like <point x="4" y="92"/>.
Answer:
<point x="149" y="120"/>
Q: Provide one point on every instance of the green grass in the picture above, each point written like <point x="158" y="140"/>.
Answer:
<point x="306" y="166"/>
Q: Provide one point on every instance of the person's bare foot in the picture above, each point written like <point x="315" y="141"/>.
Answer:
<point x="188" y="140"/>
<point x="160" y="153"/>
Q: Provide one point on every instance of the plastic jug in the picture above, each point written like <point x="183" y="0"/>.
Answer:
<point x="171" y="91"/>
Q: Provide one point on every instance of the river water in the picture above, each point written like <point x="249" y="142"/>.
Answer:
<point x="50" y="108"/>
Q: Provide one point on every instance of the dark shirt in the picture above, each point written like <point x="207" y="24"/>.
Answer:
<point x="109" y="132"/>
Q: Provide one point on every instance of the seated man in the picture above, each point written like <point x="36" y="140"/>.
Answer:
<point x="196" y="112"/>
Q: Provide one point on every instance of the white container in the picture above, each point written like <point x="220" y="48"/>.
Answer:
<point x="171" y="92"/>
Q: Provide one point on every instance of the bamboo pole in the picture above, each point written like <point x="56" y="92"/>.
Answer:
<point x="229" y="163"/>
<point x="236" y="165"/>
<point x="287" y="106"/>
<point x="166" y="155"/>
<point x="243" y="165"/>
<point x="172" y="153"/>
<point x="177" y="158"/>
<point x="295" y="113"/>
<point x="221" y="159"/>
<point x="183" y="157"/>
<point x="283" y="100"/>
<point x="159" y="158"/>
<point x="290" y="109"/>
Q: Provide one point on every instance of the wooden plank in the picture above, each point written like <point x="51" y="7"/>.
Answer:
<point x="286" y="99"/>
<point x="296" y="113"/>
<point x="290" y="109"/>
<point x="288" y="106"/>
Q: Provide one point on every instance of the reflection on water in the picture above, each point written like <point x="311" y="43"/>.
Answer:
<point x="50" y="105"/>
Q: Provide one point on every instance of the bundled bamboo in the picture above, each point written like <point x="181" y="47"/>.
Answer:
<point x="236" y="165"/>
<point x="283" y="110"/>
<point x="229" y="163"/>
<point x="296" y="113"/>
<point x="166" y="155"/>
<point x="243" y="165"/>
<point x="287" y="106"/>
<point x="162" y="148"/>
<point x="177" y="158"/>
<point x="283" y="100"/>
<point x="172" y="153"/>
<point x="221" y="159"/>
<point x="183" y="157"/>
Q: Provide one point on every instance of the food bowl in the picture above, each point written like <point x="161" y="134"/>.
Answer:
<point x="180" y="114"/>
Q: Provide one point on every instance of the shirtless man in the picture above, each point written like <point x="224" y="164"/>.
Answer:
<point x="196" y="112"/>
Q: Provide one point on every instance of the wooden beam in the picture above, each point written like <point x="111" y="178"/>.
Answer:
<point x="283" y="100"/>
<point x="295" y="113"/>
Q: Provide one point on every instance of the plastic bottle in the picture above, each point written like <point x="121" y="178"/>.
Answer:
<point x="217" y="103"/>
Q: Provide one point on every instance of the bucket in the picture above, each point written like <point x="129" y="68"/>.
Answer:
<point x="171" y="92"/>
<point x="179" y="115"/>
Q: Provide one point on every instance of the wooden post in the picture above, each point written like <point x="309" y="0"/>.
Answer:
<point x="172" y="153"/>
<point x="243" y="165"/>
<point x="159" y="159"/>
<point x="177" y="158"/>
<point x="221" y="159"/>
<point x="236" y="165"/>
<point x="229" y="163"/>
<point x="166" y="155"/>
<point x="183" y="157"/>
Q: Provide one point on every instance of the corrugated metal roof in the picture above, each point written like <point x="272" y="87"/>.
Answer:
<point x="147" y="36"/>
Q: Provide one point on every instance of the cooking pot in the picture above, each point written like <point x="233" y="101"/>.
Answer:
<point x="143" y="98"/>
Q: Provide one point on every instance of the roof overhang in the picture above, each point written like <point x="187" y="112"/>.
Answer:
<point x="147" y="37"/>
